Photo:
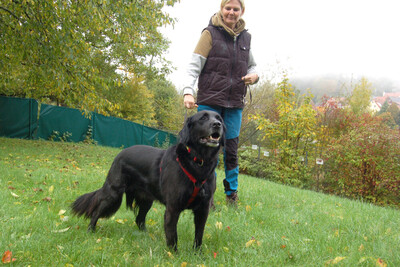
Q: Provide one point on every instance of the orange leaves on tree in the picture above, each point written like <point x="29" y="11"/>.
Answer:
<point x="7" y="257"/>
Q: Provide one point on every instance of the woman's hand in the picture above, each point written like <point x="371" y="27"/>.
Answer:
<point x="250" y="78"/>
<point x="188" y="100"/>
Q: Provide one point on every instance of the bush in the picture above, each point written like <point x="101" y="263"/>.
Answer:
<point x="364" y="162"/>
<point x="298" y="174"/>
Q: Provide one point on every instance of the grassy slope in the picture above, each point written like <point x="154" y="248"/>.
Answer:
<point x="274" y="224"/>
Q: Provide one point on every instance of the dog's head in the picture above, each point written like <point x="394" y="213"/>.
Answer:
<point x="204" y="128"/>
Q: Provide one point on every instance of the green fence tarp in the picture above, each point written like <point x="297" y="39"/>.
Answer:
<point x="61" y="122"/>
<point x="115" y="132"/>
<point x="18" y="117"/>
<point x="121" y="133"/>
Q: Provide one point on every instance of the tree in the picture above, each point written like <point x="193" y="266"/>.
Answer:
<point x="292" y="132"/>
<point x="168" y="105"/>
<point x="394" y="111"/>
<point x="135" y="102"/>
<point x="361" y="96"/>
<point x="261" y="101"/>
<point x="69" y="51"/>
<point x="384" y="108"/>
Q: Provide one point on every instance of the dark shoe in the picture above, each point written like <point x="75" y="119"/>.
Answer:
<point x="232" y="199"/>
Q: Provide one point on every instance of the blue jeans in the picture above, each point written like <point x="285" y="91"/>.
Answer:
<point x="233" y="119"/>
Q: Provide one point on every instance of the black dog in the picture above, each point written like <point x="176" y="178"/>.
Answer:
<point x="181" y="177"/>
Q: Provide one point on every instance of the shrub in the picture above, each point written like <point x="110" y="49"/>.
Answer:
<point x="298" y="174"/>
<point x="364" y="161"/>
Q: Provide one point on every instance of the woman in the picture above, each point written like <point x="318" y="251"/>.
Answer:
<point x="224" y="65"/>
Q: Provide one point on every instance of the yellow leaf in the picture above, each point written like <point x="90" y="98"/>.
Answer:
<point x="120" y="221"/>
<point x="249" y="243"/>
<point x="335" y="261"/>
<point x="381" y="263"/>
<point x="51" y="189"/>
<point x="248" y="208"/>
<point x="218" y="225"/>
<point x="170" y="255"/>
<point x="61" y="212"/>
<point x="361" y="248"/>
<point x="61" y="231"/>
<point x="184" y="264"/>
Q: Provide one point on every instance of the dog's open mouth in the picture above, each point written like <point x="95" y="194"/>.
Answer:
<point x="212" y="140"/>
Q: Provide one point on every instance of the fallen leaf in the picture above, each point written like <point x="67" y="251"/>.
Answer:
<point x="361" y="248"/>
<point x="61" y="230"/>
<point x="51" y="189"/>
<point x="335" y="261"/>
<point x="64" y="218"/>
<point x="120" y="221"/>
<point x="14" y="195"/>
<point x="11" y="187"/>
<point x="218" y="225"/>
<point x="215" y="255"/>
<point x="381" y="263"/>
<point x="248" y="208"/>
<point x="61" y="212"/>
<point x="283" y="246"/>
<point x="7" y="257"/>
<point x="228" y="228"/>
<point x="184" y="264"/>
<point x="26" y="236"/>
<point x="170" y="255"/>
<point x="249" y="243"/>
<point x="48" y="199"/>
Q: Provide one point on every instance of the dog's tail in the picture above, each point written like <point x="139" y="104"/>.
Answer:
<point x="86" y="204"/>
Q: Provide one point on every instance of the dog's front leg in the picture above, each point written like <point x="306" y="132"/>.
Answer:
<point x="171" y="217"/>
<point x="200" y="218"/>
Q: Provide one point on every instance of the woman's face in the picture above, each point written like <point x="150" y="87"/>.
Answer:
<point x="231" y="13"/>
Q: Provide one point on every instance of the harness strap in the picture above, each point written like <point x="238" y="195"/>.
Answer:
<point x="194" y="181"/>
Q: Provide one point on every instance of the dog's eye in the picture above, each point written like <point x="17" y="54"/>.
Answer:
<point x="203" y="118"/>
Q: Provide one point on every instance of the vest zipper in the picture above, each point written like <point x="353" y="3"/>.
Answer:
<point x="232" y="67"/>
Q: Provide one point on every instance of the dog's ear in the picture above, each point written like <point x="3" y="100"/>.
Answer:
<point x="184" y="134"/>
<point x="223" y="138"/>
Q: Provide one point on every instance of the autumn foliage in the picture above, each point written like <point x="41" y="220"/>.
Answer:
<point x="364" y="161"/>
<point x="338" y="146"/>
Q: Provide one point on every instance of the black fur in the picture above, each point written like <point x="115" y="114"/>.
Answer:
<point x="146" y="174"/>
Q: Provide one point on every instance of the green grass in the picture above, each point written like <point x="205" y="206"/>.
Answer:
<point x="274" y="225"/>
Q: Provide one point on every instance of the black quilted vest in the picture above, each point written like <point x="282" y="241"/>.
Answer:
<point x="220" y="82"/>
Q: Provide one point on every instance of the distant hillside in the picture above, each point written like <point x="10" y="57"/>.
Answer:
<point x="340" y="85"/>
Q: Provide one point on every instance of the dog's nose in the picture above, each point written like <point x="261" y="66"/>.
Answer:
<point x="217" y="124"/>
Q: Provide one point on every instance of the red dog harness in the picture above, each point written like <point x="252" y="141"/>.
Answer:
<point x="194" y="181"/>
<point x="191" y="177"/>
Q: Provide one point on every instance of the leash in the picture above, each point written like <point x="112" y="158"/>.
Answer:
<point x="219" y="92"/>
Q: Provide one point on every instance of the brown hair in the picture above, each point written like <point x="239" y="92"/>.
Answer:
<point x="224" y="2"/>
